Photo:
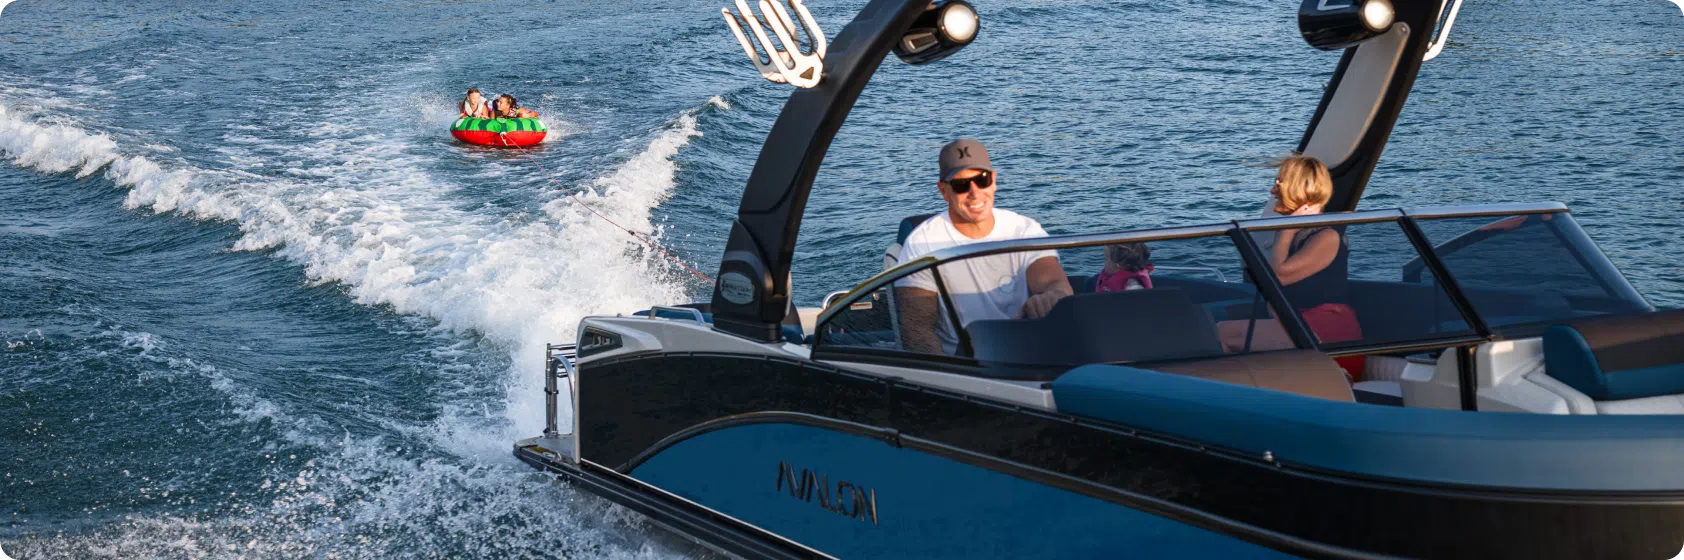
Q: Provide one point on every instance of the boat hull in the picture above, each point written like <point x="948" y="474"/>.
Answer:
<point x="853" y="495"/>
<point x="767" y="443"/>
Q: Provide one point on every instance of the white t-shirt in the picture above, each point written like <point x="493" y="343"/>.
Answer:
<point x="990" y="287"/>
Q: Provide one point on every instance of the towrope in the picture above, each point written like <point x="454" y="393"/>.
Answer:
<point x="640" y="237"/>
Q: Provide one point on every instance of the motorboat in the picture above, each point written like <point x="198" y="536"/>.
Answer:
<point x="1509" y="395"/>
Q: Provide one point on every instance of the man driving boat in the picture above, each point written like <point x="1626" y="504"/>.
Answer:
<point x="1015" y="285"/>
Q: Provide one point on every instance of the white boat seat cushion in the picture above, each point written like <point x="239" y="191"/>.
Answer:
<point x="1665" y="404"/>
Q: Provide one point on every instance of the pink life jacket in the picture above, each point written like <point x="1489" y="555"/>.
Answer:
<point x="1119" y="280"/>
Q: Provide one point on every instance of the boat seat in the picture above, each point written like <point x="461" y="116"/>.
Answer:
<point x="891" y="257"/>
<point x="1619" y="357"/>
<point x="1528" y="452"/>
<point x="1303" y="372"/>
<point x="1576" y="368"/>
<point x="1131" y="326"/>
<point x="792" y="334"/>
<point x="1664" y="404"/>
<point x="1084" y="284"/>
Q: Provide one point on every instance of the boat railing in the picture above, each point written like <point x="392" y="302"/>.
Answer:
<point x="1446" y="20"/>
<point x="1187" y="232"/>
<point x="1255" y="224"/>
<point x="559" y="363"/>
<point x="832" y="297"/>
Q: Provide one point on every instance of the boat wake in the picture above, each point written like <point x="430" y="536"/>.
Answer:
<point x="360" y="210"/>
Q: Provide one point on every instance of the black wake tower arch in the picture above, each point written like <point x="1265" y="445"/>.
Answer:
<point x="1348" y="132"/>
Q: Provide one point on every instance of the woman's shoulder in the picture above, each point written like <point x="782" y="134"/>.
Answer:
<point x="1313" y="231"/>
<point x="1312" y="234"/>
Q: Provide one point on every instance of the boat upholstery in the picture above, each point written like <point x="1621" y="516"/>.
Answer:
<point x="891" y="257"/>
<point x="1527" y="451"/>
<point x="1102" y="328"/>
<point x="1568" y="400"/>
<point x="1664" y="404"/>
<point x="1304" y="372"/>
<point x="1512" y="377"/>
<point x="1619" y="357"/>
<point x="793" y="334"/>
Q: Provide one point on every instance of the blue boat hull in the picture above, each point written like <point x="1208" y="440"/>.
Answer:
<point x="777" y="457"/>
<point x="852" y="496"/>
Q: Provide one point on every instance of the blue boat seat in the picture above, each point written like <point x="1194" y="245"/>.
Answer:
<point x="891" y="256"/>
<point x="908" y="224"/>
<point x="1529" y="451"/>
<point x="1131" y="326"/>
<point x="1619" y="357"/>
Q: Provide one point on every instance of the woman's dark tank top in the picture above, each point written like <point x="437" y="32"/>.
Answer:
<point x="1330" y="284"/>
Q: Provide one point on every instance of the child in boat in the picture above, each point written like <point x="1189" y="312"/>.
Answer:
<point x="474" y="105"/>
<point x="1128" y="266"/>
<point x="507" y="108"/>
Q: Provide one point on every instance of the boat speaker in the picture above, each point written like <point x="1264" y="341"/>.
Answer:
<point x="1335" y="24"/>
<point x="944" y="28"/>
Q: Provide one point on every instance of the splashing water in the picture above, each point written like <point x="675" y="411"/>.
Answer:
<point x="518" y="282"/>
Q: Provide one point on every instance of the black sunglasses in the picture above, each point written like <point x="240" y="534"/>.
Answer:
<point x="962" y="186"/>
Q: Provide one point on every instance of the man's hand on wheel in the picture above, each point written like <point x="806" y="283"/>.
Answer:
<point x="1039" y="304"/>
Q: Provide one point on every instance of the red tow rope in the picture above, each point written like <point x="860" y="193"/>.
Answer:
<point x="611" y="222"/>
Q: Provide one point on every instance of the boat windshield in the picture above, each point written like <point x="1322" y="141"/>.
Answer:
<point x="1362" y="296"/>
<point x="1133" y="301"/>
<point x="1523" y="272"/>
<point x="1350" y="283"/>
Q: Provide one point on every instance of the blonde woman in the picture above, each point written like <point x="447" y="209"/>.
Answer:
<point x="1311" y="264"/>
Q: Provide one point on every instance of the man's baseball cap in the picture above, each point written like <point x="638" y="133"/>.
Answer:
<point x="963" y="154"/>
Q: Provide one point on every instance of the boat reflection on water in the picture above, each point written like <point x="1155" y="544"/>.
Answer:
<point x="1120" y="423"/>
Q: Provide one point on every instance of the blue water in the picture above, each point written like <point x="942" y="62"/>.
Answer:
<point x="257" y="303"/>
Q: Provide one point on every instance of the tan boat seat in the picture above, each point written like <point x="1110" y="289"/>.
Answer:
<point x="1302" y="372"/>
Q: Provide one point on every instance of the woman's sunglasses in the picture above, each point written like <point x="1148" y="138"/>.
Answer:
<point x="962" y="186"/>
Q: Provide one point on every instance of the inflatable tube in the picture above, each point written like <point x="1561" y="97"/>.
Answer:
<point x="502" y="133"/>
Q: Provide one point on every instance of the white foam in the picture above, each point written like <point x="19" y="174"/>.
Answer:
<point x="368" y="504"/>
<point x="54" y="148"/>
<point x="31" y="337"/>
<point x="363" y="498"/>
<point x="355" y="207"/>
<point x="363" y="212"/>
<point x="142" y="341"/>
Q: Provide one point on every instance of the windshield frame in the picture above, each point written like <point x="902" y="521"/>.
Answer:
<point x="1571" y="236"/>
<point x="1239" y="231"/>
